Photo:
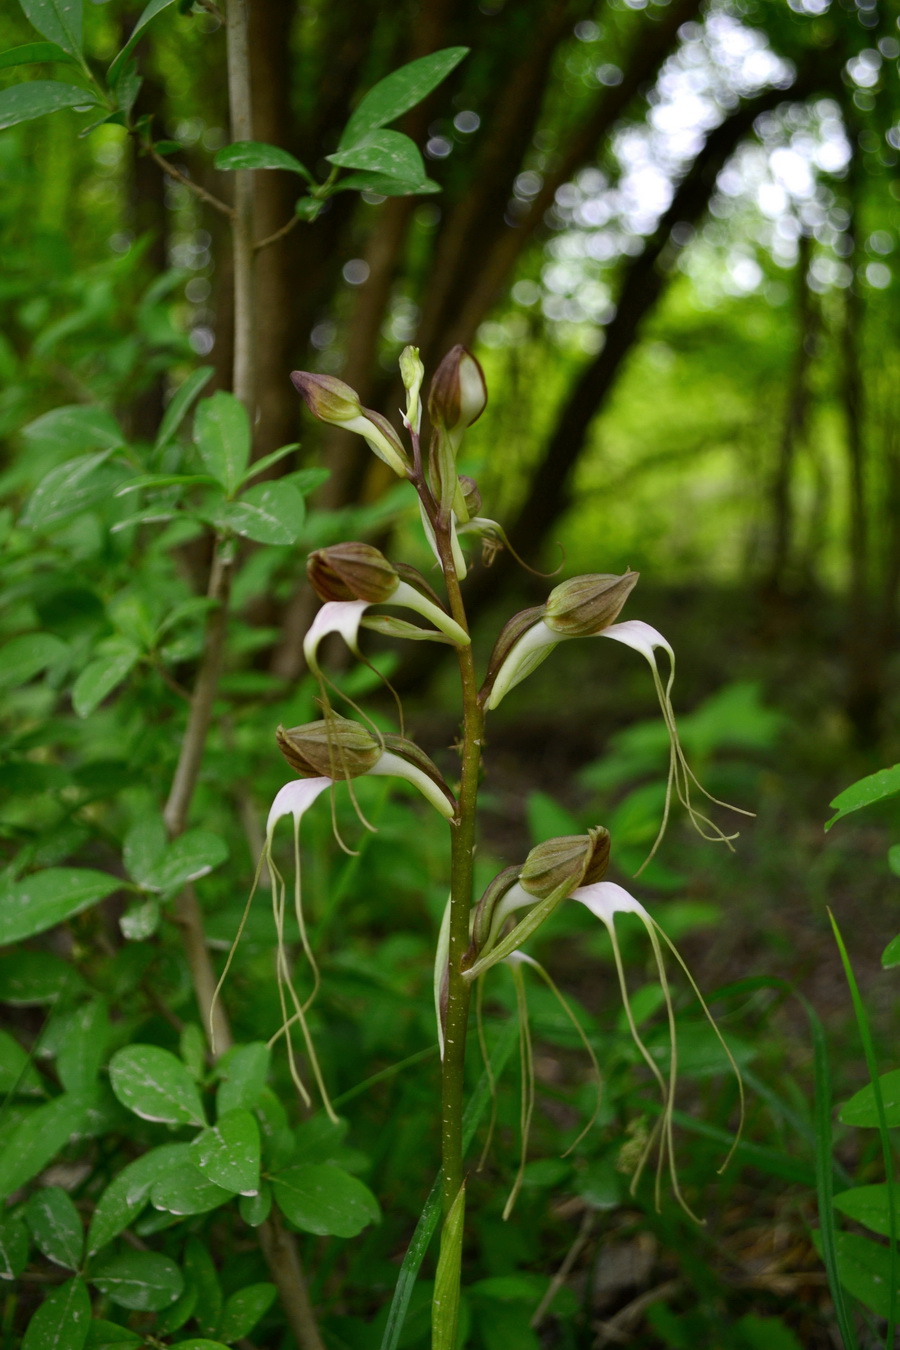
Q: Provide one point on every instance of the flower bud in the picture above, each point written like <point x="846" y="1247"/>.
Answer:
<point x="332" y="401"/>
<point x="511" y="632"/>
<point x="336" y="748"/>
<point x="412" y="373"/>
<point x="328" y="398"/>
<point x="482" y="917"/>
<point x="571" y="861"/>
<point x="583" y="606"/>
<point x="458" y="393"/>
<point x="351" y="571"/>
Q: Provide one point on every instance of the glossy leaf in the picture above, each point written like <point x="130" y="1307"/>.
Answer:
<point x="104" y="674"/>
<point x="229" y="1152"/>
<point x="57" y="20"/>
<point x="180" y="404"/>
<point x="155" y="1085"/>
<point x="255" y="1209"/>
<point x="398" y="92"/>
<point x="318" y="1198"/>
<point x="56" y="1226"/>
<point x="890" y="957"/>
<point x="141" y="919"/>
<point x="30" y="1145"/>
<point x="47" y="898"/>
<point x="142" y="1281"/>
<point x="24" y="102"/>
<point x="222" y="436"/>
<point x="864" y="1268"/>
<point x="259" y="155"/>
<point x="62" y="1321"/>
<point x="127" y="1193"/>
<point x="244" y="1308"/>
<point x="269" y="513"/>
<point x="387" y="152"/>
<point x="104" y="1335"/>
<point x="76" y="427"/>
<point x="34" y="51"/>
<point x="26" y="656"/>
<point x="385" y="185"/>
<point x="148" y="14"/>
<point x="191" y="856"/>
<point x="185" y="1190"/>
<point x="201" y="1272"/>
<point x="874" y="788"/>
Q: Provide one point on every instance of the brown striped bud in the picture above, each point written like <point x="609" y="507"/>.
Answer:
<point x="335" y="748"/>
<point x="583" y="606"/>
<point x="351" y="571"/>
<point x="571" y="861"/>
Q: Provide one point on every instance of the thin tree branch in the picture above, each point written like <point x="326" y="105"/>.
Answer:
<point x="274" y="237"/>
<point x="169" y="168"/>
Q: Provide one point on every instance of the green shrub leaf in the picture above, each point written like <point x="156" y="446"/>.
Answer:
<point x="57" y="20"/>
<point x="259" y="155"/>
<point x="127" y="1193"/>
<point x="243" y="1070"/>
<point x="191" y="856"/>
<point x="102" y="675"/>
<point x="229" y="1152"/>
<point x="874" y="788"/>
<point x="319" y="1198"/>
<point x="142" y="1281"/>
<point x="155" y="1085"/>
<point x="185" y="1190"/>
<point x="269" y="513"/>
<point x="30" y="1145"/>
<point x="47" y="898"/>
<point x="387" y="152"/>
<point x="24" y="657"/>
<point x="56" y="1226"/>
<point x="861" y="1108"/>
<point x="244" y="1309"/>
<point x="62" y="1321"/>
<point x="398" y="92"/>
<point x="13" y="1248"/>
<point x="870" y="1205"/>
<point x="222" y="435"/>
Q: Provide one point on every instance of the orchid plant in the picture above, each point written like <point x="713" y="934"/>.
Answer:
<point x="353" y="578"/>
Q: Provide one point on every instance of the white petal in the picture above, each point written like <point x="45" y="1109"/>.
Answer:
<point x="639" y="635"/>
<point x="605" y="899"/>
<point x="335" y="616"/>
<point x="525" y="656"/>
<point x="294" y="799"/>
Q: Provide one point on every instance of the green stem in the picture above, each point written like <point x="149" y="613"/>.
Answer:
<point x="461" y="870"/>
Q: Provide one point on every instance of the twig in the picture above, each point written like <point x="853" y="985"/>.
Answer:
<point x="276" y="235"/>
<point x="559" y="1279"/>
<point x="280" y="1250"/>
<point x="168" y="167"/>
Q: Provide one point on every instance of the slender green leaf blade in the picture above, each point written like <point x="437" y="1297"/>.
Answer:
<point x="142" y="1281"/>
<point x="47" y="898"/>
<point x="445" y="1308"/>
<point x="318" y="1198"/>
<point x="24" y="102"/>
<point x="180" y="403"/>
<point x="126" y="1194"/>
<point x="874" y="788"/>
<point x="62" y="1321"/>
<point x="270" y="513"/>
<point x="222" y="435"/>
<point x="259" y="155"/>
<point x="31" y="1144"/>
<point x="244" y="1308"/>
<point x="229" y="1152"/>
<point x="34" y="51"/>
<point x="57" y="20"/>
<point x="398" y="92"/>
<point x="155" y="7"/>
<point x="387" y="152"/>
<point x="155" y="1085"/>
<point x="56" y="1226"/>
<point x="259" y="465"/>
